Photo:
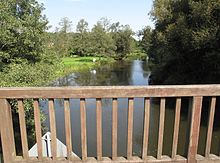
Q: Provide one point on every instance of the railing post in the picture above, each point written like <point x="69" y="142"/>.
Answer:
<point x="6" y="130"/>
<point x="194" y="129"/>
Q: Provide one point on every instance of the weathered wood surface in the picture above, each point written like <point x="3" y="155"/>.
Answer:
<point x="135" y="159"/>
<point x="99" y="128"/>
<point x="38" y="129"/>
<point x="68" y="128"/>
<point x="130" y="92"/>
<point x="194" y="129"/>
<point x="210" y="127"/>
<point x="176" y="127"/>
<point x="146" y="127"/>
<point x="111" y="91"/>
<point x="114" y="127"/>
<point x="83" y="128"/>
<point x="161" y="128"/>
<point x="53" y="129"/>
<point x="6" y="131"/>
<point x="22" y="122"/>
<point x="130" y="127"/>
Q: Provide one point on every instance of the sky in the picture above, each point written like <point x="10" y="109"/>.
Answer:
<point x="131" y="12"/>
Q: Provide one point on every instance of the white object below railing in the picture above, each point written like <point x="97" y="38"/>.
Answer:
<point x="46" y="148"/>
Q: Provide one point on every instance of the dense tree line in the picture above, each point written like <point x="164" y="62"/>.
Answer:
<point x="185" y="44"/>
<point x="30" y="56"/>
<point x="24" y="58"/>
<point x="23" y="54"/>
<point x="104" y="39"/>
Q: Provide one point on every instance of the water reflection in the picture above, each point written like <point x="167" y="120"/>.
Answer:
<point x="127" y="73"/>
<point x="120" y="73"/>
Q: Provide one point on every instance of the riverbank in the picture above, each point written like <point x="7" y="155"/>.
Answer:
<point x="78" y="64"/>
<point x="40" y="74"/>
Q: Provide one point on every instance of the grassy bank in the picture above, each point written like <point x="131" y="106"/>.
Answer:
<point x="77" y="64"/>
<point x="137" y="54"/>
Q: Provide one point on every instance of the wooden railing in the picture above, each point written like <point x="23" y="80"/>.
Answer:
<point x="197" y="92"/>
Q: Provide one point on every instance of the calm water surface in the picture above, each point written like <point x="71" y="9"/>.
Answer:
<point x="124" y="73"/>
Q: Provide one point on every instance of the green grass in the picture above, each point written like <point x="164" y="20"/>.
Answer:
<point x="83" y="60"/>
<point x="138" y="54"/>
<point x="77" y="64"/>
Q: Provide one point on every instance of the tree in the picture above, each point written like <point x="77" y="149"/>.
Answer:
<point x="65" y="25"/>
<point x="22" y="29"/>
<point x="102" y="41"/>
<point x="146" y="36"/>
<point x="61" y="38"/>
<point x="185" y="43"/>
<point x="82" y="26"/>
<point x="81" y="39"/>
<point x="123" y="40"/>
<point x="22" y="58"/>
<point x="105" y="23"/>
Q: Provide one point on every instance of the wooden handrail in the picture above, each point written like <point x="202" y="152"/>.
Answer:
<point x="110" y="91"/>
<point x="197" y="92"/>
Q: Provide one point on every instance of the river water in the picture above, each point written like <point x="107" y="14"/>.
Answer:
<point x="125" y="73"/>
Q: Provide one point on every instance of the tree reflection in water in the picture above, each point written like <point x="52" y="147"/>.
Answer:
<point x="128" y="73"/>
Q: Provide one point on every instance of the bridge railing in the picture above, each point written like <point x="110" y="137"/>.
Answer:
<point x="197" y="92"/>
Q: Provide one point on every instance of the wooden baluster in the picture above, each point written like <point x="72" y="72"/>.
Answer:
<point x="114" y="127"/>
<point x="68" y="128"/>
<point x="161" y="128"/>
<point x="176" y="127"/>
<point x="22" y="122"/>
<point x="53" y="129"/>
<point x="83" y="129"/>
<point x="99" y="128"/>
<point x="130" y="127"/>
<point x="6" y="131"/>
<point x="146" y="127"/>
<point x="38" y="129"/>
<point x="210" y="127"/>
<point x="194" y="129"/>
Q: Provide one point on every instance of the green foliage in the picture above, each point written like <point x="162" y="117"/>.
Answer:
<point x="24" y="74"/>
<point x="82" y="26"/>
<point x="146" y="38"/>
<point x="101" y="41"/>
<point x="105" y="39"/>
<point x="25" y="59"/>
<point x="123" y="41"/>
<point x="21" y="31"/>
<point x="185" y="43"/>
<point x="65" y="25"/>
<point x="78" y="64"/>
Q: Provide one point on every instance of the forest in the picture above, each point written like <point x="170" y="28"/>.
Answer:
<point x="30" y="55"/>
<point x="183" y="47"/>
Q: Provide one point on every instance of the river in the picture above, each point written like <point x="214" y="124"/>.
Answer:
<point x="124" y="73"/>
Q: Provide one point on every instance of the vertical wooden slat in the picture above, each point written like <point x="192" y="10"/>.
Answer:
<point x="194" y="129"/>
<point x="99" y="128"/>
<point x="6" y="131"/>
<point x="38" y="129"/>
<point x="22" y="122"/>
<point x="210" y="127"/>
<point x="114" y="127"/>
<point x="68" y="128"/>
<point x="176" y="127"/>
<point x="53" y="129"/>
<point x="146" y="127"/>
<point x="161" y="128"/>
<point x="130" y="127"/>
<point x="83" y="129"/>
